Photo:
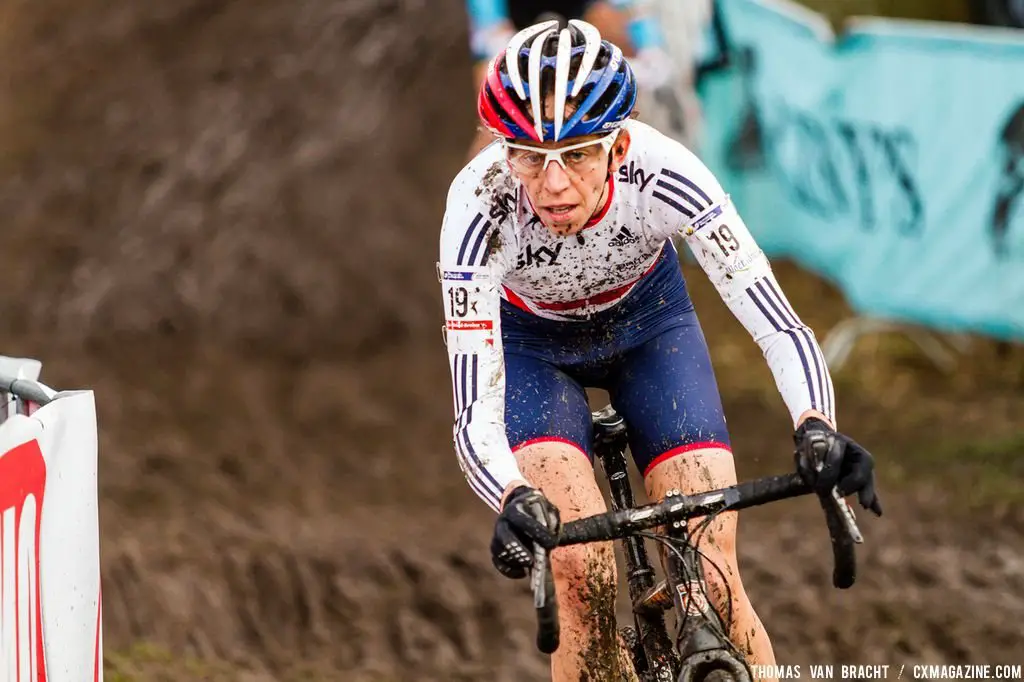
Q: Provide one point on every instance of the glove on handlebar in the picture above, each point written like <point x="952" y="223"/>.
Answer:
<point x="826" y="458"/>
<point x="526" y="518"/>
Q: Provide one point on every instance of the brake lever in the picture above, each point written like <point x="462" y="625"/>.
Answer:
<point x="847" y="516"/>
<point x="842" y="530"/>
<point x="540" y="567"/>
<point x="543" y="585"/>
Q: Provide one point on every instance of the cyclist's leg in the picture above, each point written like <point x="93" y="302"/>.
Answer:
<point x="667" y="392"/>
<point x="548" y="424"/>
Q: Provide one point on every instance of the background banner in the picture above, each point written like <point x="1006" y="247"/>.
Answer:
<point x="889" y="159"/>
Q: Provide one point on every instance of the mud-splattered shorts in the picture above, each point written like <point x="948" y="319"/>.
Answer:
<point x="648" y="352"/>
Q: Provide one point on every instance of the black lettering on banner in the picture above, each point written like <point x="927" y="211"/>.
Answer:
<point x="1010" y="191"/>
<point x="834" y="167"/>
<point x="724" y="239"/>
<point x="806" y="163"/>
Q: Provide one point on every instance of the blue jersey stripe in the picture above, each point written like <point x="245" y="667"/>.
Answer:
<point x="791" y="319"/>
<point x="467" y="383"/>
<point x="476" y="245"/>
<point x="466" y="239"/>
<point x="689" y="183"/>
<point x="792" y="336"/>
<point x="681" y="193"/>
<point x="674" y="204"/>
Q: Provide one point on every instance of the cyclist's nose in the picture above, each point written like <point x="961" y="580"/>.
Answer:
<point x="555" y="178"/>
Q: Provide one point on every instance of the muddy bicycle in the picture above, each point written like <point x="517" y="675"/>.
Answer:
<point x="701" y="650"/>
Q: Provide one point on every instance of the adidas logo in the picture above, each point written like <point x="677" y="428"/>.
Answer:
<point x="624" y="237"/>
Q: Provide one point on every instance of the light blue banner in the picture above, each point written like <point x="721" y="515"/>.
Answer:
<point x="890" y="160"/>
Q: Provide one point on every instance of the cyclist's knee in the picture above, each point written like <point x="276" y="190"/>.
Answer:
<point x="694" y="472"/>
<point x="585" y="575"/>
<point x="691" y="471"/>
<point x="564" y="473"/>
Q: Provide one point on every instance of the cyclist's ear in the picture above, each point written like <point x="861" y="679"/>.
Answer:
<point x="617" y="155"/>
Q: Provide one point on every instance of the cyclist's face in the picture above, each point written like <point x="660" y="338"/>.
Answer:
<point x="567" y="189"/>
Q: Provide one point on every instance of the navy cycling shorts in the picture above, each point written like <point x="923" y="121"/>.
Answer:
<point x="648" y="352"/>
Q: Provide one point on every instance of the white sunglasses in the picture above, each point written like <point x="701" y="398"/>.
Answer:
<point x="530" y="160"/>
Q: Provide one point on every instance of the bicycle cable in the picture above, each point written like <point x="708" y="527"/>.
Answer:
<point x="693" y="540"/>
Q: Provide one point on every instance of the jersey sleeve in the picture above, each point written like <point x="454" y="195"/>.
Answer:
<point x="471" y="269"/>
<point x="728" y="253"/>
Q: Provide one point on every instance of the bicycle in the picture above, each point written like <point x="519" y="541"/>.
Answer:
<point x="701" y="651"/>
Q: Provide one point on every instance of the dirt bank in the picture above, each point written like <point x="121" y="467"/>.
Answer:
<point x="222" y="215"/>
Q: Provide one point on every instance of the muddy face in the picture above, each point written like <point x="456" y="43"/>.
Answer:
<point x="565" y="196"/>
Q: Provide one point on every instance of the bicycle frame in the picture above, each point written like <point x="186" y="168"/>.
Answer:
<point x="654" y="654"/>
<point x="705" y="655"/>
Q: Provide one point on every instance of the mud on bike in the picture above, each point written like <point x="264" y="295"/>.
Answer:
<point x="700" y="650"/>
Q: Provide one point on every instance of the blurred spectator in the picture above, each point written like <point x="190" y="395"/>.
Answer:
<point x="663" y="60"/>
<point x="672" y="105"/>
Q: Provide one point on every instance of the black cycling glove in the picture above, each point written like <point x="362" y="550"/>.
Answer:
<point x="826" y="458"/>
<point x="526" y="518"/>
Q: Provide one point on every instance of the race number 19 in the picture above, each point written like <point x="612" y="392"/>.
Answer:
<point x="724" y="239"/>
<point x="458" y="301"/>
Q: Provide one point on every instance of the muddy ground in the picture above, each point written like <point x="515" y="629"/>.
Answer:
<point x="222" y="216"/>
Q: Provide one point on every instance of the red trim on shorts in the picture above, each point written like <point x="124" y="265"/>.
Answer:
<point x="551" y="439"/>
<point x="684" y="449"/>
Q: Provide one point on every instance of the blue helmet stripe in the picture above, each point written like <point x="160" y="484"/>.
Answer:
<point x="607" y="78"/>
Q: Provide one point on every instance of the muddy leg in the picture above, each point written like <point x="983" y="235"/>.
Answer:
<point x="585" y="575"/>
<point x="697" y="471"/>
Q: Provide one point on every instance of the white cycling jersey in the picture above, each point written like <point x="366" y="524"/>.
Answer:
<point x="494" y="247"/>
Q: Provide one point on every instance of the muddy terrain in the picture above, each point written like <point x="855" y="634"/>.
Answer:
<point x="222" y="215"/>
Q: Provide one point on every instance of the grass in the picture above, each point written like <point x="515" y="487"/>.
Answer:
<point x="145" y="662"/>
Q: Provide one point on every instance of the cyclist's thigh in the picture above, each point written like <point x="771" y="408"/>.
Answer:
<point x="543" y="403"/>
<point x="548" y="424"/>
<point x="666" y="391"/>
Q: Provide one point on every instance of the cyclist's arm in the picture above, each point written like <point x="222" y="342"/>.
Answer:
<point x="471" y="270"/>
<point x="741" y="273"/>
